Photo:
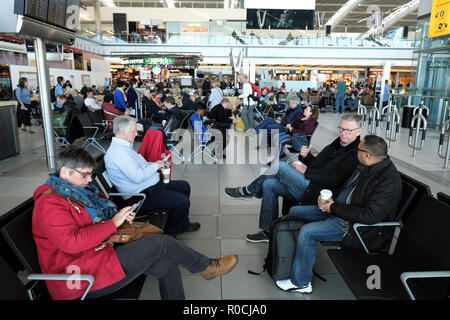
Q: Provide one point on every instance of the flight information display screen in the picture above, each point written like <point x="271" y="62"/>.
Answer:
<point x="61" y="13"/>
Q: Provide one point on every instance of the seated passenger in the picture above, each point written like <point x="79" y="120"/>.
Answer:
<point x="328" y="170"/>
<point x="292" y="113"/>
<point x="72" y="221"/>
<point x="371" y="195"/>
<point x="196" y="120"/>
<point x="91" y="102"/>
<point x="131" y="173"/>
<point x="152" y="110"/>
<point x="298" y="129"/>
<point x="173" y="109"/>
<point x="109" y="110"/>
<point x="67" y="105"/>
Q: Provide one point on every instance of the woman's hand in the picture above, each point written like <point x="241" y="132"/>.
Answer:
<point x="124" y="214"/>
<point x="305" y="150"/>
<point x="298" y="167"/>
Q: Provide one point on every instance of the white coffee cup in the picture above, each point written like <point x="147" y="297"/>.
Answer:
<point x="166" y="174"/>
<point x="325" y="196"/>
<point x="163" y="122"/>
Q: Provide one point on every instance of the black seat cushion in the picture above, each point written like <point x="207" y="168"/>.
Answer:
<point x="130" y="292"/>
<point x="352" y="265"/>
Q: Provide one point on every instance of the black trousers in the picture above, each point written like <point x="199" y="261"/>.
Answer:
<point x="23" y="116"/>
<point x="173" y="196"/>
<point x="158" y="256"/>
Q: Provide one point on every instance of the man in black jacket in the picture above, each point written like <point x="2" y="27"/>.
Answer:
<point x="152" y="110"/>
<point x="221" y="114"/>
<point x="303" y="182"/>
<point x="371" y="195"/>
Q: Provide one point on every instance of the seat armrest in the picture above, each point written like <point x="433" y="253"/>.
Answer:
<point x="62" y="277"/>
<point x="380" y="224"/>
<point x="421" y="274"/>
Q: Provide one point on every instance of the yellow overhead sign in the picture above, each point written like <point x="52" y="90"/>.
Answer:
<point x="440" y="18"/>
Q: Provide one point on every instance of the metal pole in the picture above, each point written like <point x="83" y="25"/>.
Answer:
<point x="43" y="75"/>
<point x="98" y="21"/>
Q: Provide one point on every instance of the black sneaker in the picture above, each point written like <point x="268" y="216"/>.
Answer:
<point x="237" y="194"/>
<point x="258" y="237"/>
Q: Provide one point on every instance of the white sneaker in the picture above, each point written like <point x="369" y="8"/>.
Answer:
<point x="287" y="285"/>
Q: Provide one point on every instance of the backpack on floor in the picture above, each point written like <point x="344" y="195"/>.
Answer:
<point x="282" y="244"/>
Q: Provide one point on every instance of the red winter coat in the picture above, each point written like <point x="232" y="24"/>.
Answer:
<point x="152" y="147"/>
<point x="67" y="240"/>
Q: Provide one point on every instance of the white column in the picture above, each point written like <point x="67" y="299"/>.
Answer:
<point x="98" y="22"/>
<point x="386" y="76"/>
<point x="246" y="67"/>
<point x="252" y="71"/>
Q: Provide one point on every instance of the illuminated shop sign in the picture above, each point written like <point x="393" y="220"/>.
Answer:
<point x="163" y="62"/>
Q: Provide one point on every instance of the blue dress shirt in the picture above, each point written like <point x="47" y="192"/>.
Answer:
<point x="127" y="169"/>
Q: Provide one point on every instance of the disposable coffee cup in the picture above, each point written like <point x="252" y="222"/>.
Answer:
<point x="325" y="196"/>
<point x="166" y="175"/>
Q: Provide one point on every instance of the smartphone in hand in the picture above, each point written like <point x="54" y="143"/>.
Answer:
<point x="138" y="204"/>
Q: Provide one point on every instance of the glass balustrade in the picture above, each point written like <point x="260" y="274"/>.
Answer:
<point x="237" y="40"/>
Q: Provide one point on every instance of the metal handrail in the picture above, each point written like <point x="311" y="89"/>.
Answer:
<point x="418" y="118"/>
<point x="374" y="120"/>
<point x="386" y="109"/>
<point x="362" y="111"/>
<point x="445" y="156"/>
<point x="392" y="131"/>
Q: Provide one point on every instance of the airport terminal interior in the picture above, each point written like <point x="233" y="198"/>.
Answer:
<point x="381" y="66"/>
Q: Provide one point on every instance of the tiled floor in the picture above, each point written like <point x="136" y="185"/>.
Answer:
<point x="226" y="221"/>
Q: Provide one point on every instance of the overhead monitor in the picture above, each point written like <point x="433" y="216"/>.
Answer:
<point x="61" y="13"/>
<point x="280" y="4"/>
<point x="55" y="21"/>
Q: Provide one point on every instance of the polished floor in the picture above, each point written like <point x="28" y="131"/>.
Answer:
<point x="226" y="221"/>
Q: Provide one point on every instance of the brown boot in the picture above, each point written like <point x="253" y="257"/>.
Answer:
<point x="218" y="267"/>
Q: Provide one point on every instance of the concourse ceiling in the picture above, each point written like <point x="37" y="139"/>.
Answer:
<point x="356" y="20"/>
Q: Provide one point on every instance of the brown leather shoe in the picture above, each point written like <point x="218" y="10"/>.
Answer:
<point x="219" y="267"/>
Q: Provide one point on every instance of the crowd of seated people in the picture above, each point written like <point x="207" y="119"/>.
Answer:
<point x="365" y="184"/>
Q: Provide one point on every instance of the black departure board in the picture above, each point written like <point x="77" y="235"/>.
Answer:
<point x="61" y="13"/>
<point x="57" y="12"/>
<point x="37" y="9"/>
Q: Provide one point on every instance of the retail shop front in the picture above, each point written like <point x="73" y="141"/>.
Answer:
<point x="161" y="67"/>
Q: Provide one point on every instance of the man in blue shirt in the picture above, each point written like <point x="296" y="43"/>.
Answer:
<point x="340" y="95"/>
<point x="131" y="173"/>
<point x="197" y="123"/>
<point x="59" y="91"/>
<point x="387" y="93"/>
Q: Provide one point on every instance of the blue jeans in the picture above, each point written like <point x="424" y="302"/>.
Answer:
<point x="287" y="182"/>
<point x="320" y="226"/>
<point x="352" y="104"/>
<point x="283" y="139"/>
<point x="340" y="101"/>
<point x="269" y="124"/>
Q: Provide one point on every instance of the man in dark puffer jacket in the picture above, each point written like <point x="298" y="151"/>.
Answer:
<point x="328" y="170"/>
<point x="371" y="195"/>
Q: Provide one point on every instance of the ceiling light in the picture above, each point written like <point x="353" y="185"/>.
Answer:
<point x="170" y="4"/>
<point x="108" y="3"/>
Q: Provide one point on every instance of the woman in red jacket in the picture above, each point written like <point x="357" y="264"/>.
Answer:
<point x="71" y="223"/>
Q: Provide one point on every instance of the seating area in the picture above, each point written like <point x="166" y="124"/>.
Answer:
<point x="18" y="249"/>
<point x="224" y="222"/>
<point x="417" y="270"/>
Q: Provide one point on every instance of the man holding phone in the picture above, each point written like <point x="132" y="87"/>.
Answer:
<point x="131" y="173"/>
